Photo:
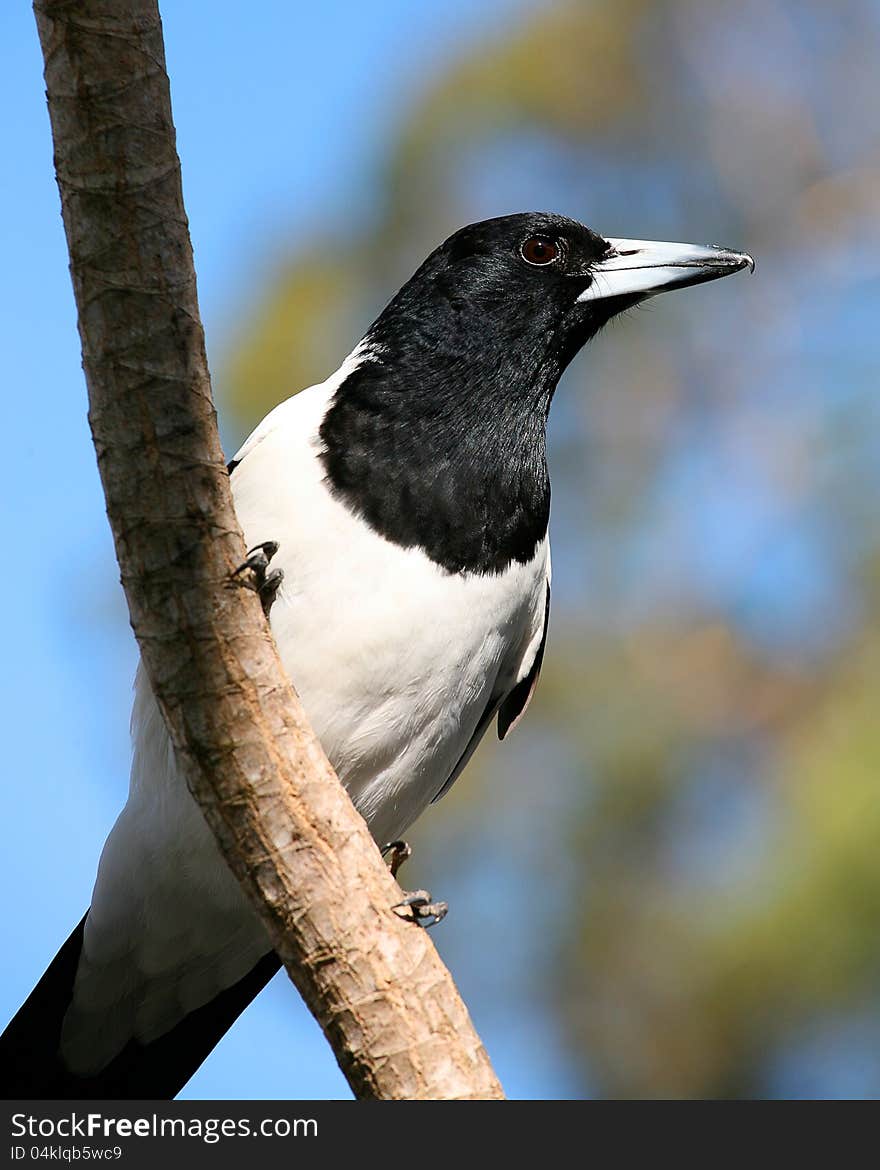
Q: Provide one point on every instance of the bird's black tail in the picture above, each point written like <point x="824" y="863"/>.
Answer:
<point x="31" y="1067"/>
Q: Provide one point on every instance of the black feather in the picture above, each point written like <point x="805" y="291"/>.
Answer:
<point x="437" y="440"/>
<point x="31" y="1067"/>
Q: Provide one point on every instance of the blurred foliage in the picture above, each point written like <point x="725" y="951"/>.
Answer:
<point x="711" y="689"/>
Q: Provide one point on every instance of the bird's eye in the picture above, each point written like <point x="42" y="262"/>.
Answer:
<point x="540" y="250"/>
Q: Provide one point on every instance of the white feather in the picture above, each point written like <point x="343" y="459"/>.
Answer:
<point x="395" y="661"/>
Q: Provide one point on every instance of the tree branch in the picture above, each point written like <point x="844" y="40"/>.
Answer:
<point x="284" y="823"/>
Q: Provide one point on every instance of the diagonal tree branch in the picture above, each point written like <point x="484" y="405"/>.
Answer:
<point x="284" y="823"/>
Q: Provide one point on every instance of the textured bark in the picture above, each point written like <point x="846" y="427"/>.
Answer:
<point x="388" y="1006"/>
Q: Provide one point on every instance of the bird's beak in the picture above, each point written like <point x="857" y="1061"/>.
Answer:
<point x="644" y="267"/>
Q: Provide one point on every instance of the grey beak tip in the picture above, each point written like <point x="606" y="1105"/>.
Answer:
<point x="740" y="260"/>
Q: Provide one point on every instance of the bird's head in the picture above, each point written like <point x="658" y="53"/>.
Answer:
<point x="525" y="292"/>
<point x="436" y="435"/>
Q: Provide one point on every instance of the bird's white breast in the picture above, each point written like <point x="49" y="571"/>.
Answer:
<point x="394" y="658"/>
<point x="395" y="661"/>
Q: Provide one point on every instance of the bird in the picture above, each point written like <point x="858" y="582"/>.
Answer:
<point x="405" y="504"/>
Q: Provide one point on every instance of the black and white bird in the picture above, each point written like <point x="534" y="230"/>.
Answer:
<point x="410" y="499"/>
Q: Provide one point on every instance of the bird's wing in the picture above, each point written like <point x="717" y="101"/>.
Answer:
<point x="285" y="413"/>
<point x="510" y="705"/>
<point x="275" y="418"/>
<point x="515" y="703"/>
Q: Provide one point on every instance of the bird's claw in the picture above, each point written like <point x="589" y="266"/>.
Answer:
<point x="419" y="907"/>
<point x="400" y="852"/>
<point x="253" y="573"/>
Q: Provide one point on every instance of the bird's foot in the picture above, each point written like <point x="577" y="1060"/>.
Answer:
<point x="400" y="851"/>
<point x="420" y="907"/>
<point x="254" y="573"/>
